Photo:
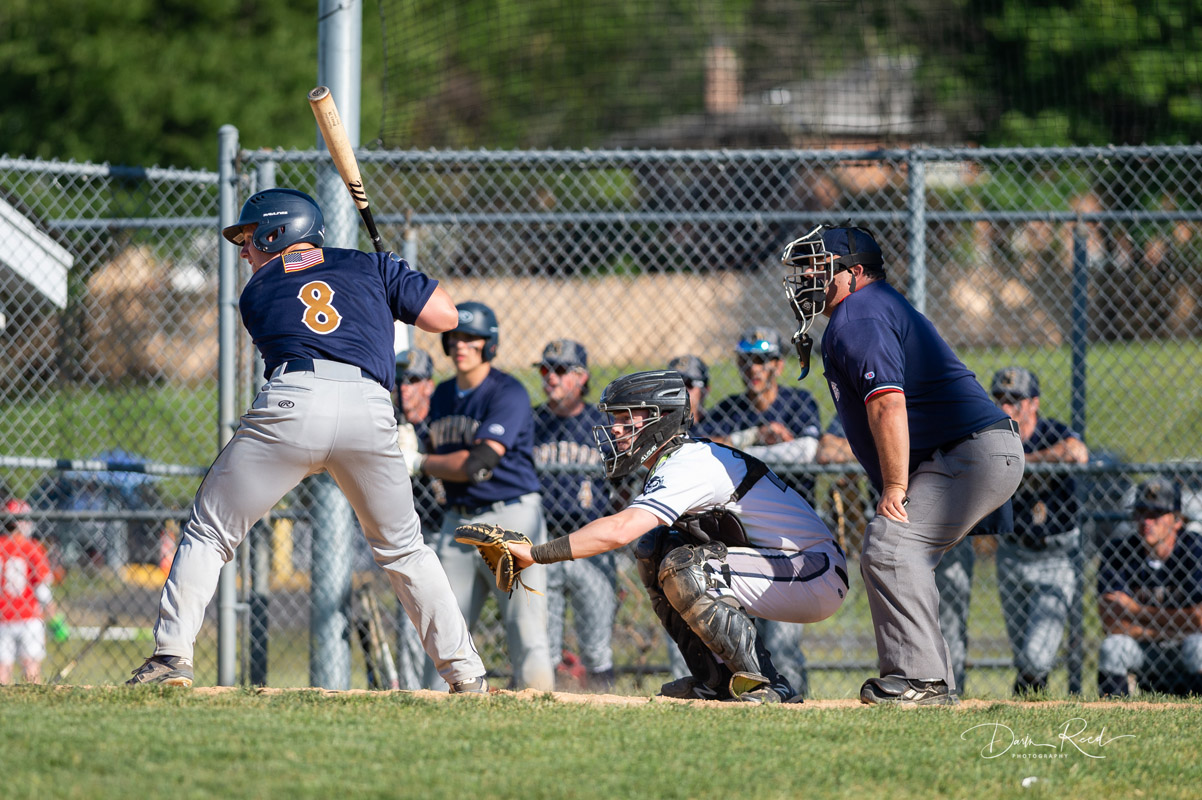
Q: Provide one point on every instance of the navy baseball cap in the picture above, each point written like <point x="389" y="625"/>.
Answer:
<point x="1158" y="495"/>
<point x="759" y="341"/>
<point x="414" y="363"/>
<point x="1014" y="383"/>
<point x="852" y="246"/>
<point x="564" y="353"/>
<point x="692" y="369"/>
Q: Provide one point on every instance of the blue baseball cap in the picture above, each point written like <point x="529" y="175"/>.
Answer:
<point x="852" y="246"/>
<point x="1014" y="383"/>
<point x="564" y="353"/>
<point x="414" y="363"/>
<point x="692" y="369"/>
<point x="759" y="341"/>
<point x="1158" y="495"/>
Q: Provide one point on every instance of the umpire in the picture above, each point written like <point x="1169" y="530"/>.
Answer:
<point x="939" y="453"/>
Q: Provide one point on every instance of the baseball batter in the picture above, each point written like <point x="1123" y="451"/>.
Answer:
<point x="721" y="541"/>
<point x="938" y="452"/>
<point x="482" y="441"/>
<point x="323" y="320"/>
<point x="563" y="437"/>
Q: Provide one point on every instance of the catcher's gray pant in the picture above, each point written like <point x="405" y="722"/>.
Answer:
<point x="953" y="577"/>
<point x="1037" y="590"/>
<point x="300" y="424"/>
<point x="949" y="494"/>
<point x="525" y="613"/>
<point x="591" y="584"/>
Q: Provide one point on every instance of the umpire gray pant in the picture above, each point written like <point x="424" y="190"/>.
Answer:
<point x="949" y="493"/>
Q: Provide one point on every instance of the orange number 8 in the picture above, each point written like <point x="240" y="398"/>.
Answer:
<point x="319" y="316"/>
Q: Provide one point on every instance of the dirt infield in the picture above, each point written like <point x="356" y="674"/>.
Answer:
<point x="625" y="700"/>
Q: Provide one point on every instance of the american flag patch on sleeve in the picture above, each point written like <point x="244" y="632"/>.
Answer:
<point x="294" y="262"/>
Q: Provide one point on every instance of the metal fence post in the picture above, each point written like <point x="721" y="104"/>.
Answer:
<point x="227" y="602"/>
<point x="916" y="240"/>
<point x="1080" y="351"/>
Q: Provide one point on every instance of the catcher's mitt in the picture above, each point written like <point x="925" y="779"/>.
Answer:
<point x="493" y="543"/>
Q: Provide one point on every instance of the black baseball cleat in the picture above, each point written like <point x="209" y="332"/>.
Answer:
<point x="689" y="688"/>
<point x="471" y="686"/>
<point x="894" y="690"/>
<point x="167" y="670"/>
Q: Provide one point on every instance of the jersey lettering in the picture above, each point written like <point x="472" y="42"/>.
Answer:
<point x="319" y="317"/>
<point x="14" y="577"/>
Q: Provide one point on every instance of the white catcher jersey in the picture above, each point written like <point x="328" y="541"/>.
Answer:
<point x="699" y="476"/>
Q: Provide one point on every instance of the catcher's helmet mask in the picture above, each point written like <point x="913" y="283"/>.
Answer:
<point x="475" y="319"/>
<point x="655" y="410"/>
<point x="282" y="218"/>
<point x="813" y="263"/>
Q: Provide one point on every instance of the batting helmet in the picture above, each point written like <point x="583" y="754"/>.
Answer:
<point x="288" y="215"/>
<point x="660" y="392"/>
<point x="475" y="319"/>
<point x="15" y="506"/>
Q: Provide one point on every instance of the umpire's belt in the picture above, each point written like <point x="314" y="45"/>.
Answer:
<point x="475" y="511"/>
<point x="335" y="370"/>
<point x="1001" y="425"/>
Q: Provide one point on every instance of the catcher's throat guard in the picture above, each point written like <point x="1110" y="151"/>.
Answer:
<point x="810" y="270"/>
<point x="812" y="262"/>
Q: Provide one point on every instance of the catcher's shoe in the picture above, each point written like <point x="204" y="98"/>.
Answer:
<point x="167" y="670"/>
<point x="689" y="688"/>
<point x="470" y="686"/>
<point x="748" y="687"/>
<point x="894" y="690"/>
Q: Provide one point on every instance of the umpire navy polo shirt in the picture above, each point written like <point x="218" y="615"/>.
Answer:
<point x="877" y="342"/>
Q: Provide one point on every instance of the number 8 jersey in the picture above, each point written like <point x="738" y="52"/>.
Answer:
<point x="324" y="303"/>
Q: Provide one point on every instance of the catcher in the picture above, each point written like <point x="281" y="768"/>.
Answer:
<point x="723" y="540"/>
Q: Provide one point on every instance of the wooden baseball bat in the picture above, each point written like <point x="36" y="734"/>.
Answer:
<point x="339" y="145"/>
<point x="74" y="662"/>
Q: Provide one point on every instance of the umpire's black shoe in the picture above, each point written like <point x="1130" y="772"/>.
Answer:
<point x="894" y="690"/>
<point x="689" y="688"/>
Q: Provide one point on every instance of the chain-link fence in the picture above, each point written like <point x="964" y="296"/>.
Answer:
<point x="1080" y="265"/>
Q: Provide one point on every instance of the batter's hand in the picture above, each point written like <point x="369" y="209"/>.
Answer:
<point x="893" y="504"/>
<point x="774" y="433"/>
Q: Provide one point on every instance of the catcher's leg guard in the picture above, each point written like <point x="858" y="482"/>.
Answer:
<point x="720" y="623"/>
<point x="706" y="671"/>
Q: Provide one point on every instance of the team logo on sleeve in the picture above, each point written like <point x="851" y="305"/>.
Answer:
<point x="496" y="429"/>
<point x="653" y="485"/>
<point x="835" y="390"/>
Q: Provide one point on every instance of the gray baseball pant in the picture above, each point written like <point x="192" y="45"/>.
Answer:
<point x="949" y="494"/>
<point x="953" y="577"/>
<point x="300" y="424"/>
<point x="1037" y="591"/>
<point x="524" y="614"/>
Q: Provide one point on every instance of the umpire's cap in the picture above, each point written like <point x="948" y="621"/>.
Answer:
<point x="1159" y="495"/>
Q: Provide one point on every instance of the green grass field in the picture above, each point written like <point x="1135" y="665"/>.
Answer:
<point x="101" y="743"/>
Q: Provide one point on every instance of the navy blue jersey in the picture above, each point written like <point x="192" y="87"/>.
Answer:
<point x="333" y="304"/>
<point x="793" y="408"/>
<point x="1125" y="566"/>
<point x="497" y="409"/>
<point x="1046" y="504"/>
<point x="877" y="342"/>
<point x="569" y="500"/>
